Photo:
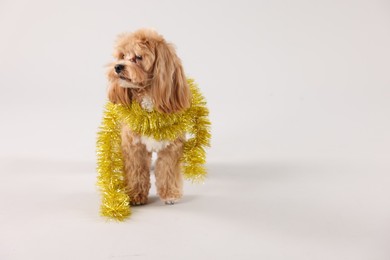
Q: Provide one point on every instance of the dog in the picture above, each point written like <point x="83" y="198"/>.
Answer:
<point x="147" y="70"/>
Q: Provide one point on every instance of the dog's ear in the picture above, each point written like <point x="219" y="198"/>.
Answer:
<point x="169" y="88"/>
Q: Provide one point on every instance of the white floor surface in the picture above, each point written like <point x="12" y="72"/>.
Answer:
<point x="282" y="209"/>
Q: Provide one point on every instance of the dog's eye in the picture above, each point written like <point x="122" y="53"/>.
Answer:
<point x="138" y="57"/>
<point x="122" y="56"/>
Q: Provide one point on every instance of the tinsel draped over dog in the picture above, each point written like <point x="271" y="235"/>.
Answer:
<point x="160" y="126"/>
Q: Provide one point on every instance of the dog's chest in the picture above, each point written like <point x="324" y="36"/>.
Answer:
<point x="152" y="145"/>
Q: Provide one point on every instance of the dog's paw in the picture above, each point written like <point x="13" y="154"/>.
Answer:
<point x="170" y="201"/>
<point x="137" y="203"/>
<point x="138" y="200"/>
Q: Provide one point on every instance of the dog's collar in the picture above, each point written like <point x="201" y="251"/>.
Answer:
<point x="147" y="103"/>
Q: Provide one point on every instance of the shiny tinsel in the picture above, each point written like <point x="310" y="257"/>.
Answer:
<point x="115" y="201"/>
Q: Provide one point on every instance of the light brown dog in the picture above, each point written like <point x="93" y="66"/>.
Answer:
<point x="147" y="70"/>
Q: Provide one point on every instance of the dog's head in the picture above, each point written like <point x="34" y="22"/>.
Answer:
<point x="145" y="61"/>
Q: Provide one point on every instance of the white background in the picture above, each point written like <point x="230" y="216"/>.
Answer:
<point x="299" y="99"/>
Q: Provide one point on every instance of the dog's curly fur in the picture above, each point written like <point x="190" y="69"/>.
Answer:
<point x="147" y="70"/>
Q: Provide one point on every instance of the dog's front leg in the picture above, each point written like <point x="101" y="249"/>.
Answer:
<point x="137" y="161"/>
<point x="169" y="180"/>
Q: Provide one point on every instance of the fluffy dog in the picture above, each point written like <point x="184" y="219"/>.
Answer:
<point x="148" y="71"/>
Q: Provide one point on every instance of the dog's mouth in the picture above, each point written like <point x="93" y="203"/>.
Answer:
<point x="129" y="83"/>
<point x="125" y="78"/>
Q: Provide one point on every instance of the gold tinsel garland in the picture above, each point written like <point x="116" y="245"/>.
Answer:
<point x="160" y="126"/>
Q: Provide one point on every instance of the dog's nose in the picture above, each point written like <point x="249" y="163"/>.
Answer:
<point x="119" y="68"/>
